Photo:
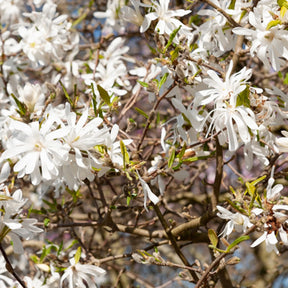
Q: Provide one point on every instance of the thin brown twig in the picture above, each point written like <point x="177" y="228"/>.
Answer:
<point x="10" y="268"/>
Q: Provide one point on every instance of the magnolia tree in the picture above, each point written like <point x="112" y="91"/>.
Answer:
<point x="143" y="143"/>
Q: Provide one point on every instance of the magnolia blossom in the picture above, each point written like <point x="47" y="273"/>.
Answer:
<point x="32" y="96"/>
<point x="223" y="90"/>
<point x="283" y="142"/>
<point x="47" y="37"/>
<point x="11" y="224"/>
<point x="166" y="21"/>
<point x="270" y="241"/>
<point x="111" y="15"/>
<point x="130" y="15"/>
<point x="82" y="275"/>
<point x="234" y="124"/>
<point x="147" y="192"/>
<point x="236" y="221"/>
<point x="36" y="147"/>
<point x="270" y="44"/>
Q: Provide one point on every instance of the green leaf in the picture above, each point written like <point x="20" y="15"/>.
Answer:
<point x="250" y="188"/>
<point x="174" y="54"/>
<point x="77" y="255"/>
<point x="282" y="3"/>
<point x="104" y="95"/>
<point x="60" y="248"/>
<point x="94" y="102"/>
<point x="285" y="81"/>
<point x="171" y="157"/>
<point x="141" y="112"/>
<point x="283" y="11"/>
<point x="182" y="151"/>
<point x="46" y="222"/>
<point x="258" y="180"/>
<point x="196" y="158"/>
<point x="232" y="4"/>
<point x="66" y="93"/>
<point x="34" y="258"/>
<point x="22" y="109"/>
<point x="79" y="19"/>
<point x="236" y="207"/>
<point x="236" y="242"/>
<point x="125" y="154"/>
<point x="273" y="23"/>
<point x="128" y="200"/>
<point x="243" y="98"/>
<point x="213" y="237"/>
<point x="163" y="80"/>
<point x="171" y="38"/>
<point x="143" y="84"/>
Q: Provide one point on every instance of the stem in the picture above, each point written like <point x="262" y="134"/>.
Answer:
<point x="174" y="242"/>
<point x="152" y="114"/>
<point x="218" y="175"/>
<point x="10" y="268"/>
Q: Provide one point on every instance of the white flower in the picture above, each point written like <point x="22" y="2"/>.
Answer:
<point x="37" y="147"/>
<point x="166" y="21"/>
<point x="32" y="96"/>
<point x="11" y="224"/>
<point x="273" y="194"/>
<point x="283" y="142"/>
<point x="130" y="15"/>
<point x="82" y="275"/>
<point x="270" y="45"/>
<point x="236" y="221"/>
<point x="270" y="241"/>
<point x="47" y="37"/>
<point x="223" y="90"/>
<point x="111" y="15"/>
<point x="231" y="120"/>
<point x="147" y="192"/>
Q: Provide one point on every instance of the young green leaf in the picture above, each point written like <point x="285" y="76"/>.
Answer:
<point x="143" y="84"/>
<point x="282" y="3"/>
<point x="171" y="157"/>
<point x="273" y="23"/>
<point x="243" y="98"/>
<point x="141" y="112"/>
<point x="213" y="237"/>
<point x="125" y="154"/>
<point x="77" y="255"/>
<point x="163" y="80"/>
<point x="22" y="109"/>
<point x="104" y="95"/>
<point x="171" y="38"/>
<point x="66" y="93"/>
<point x="236" y="242"/>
